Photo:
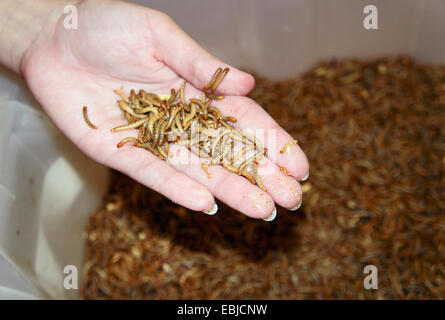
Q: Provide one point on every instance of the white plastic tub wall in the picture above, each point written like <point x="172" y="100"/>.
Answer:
<point x="47" y="187"/>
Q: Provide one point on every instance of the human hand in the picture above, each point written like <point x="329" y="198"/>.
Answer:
<point x="121" y="44"/>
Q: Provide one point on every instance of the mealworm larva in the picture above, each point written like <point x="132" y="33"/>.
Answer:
<point x="186" y="109"/>
<point x="128" y="117"/>
<point x="183" y="110"/>
<point x="132" y="97"/>
<point x="258" y="180"/>
<point x="222" y="144"/>
<point x="247" y="175"/>
<point x="206" y="124"/>
<point x="178" y="122"/>
<point x="202" y="105"/>
<point x="213" y="79"/>
<point x="153" y="119"/>
<point x="215" y="111"/>
<point x="167" y="148"/>
<point x="194" y="132"/>
<point x="124" y="106"/>
<point x="206" y="146"/>
<point x="223" y="149"/>
<point x="206" y="170"/>
<point x="141" y="133"/>
<point x="147" y="109"/>
<point x="192" y="122"/>
<point x="137" y="104"/>
<point x="132" y="125"/>
<point x="162" y="152"/>
<point x="166" y="110"/>
<point x="198" y="152"/>
<point x="214" y="96"/>
<point x="218" y="81"/>
<point x="154" y="98"/>
<point x="251" y="138"/>
<point x="127" y="139"/>
<point x="87" y="120"/>
<point x="157" y="129"/>
<point x="149" y="101"/>
<point x="217" y="156"/>
<point x="173" y="126"/>
<point x="163" y="97"/>
<point x="215" y="120"/>
<point x="121" y="93"/>
<point x="232" y="150"/>
<point x="287" y="145"/>
<point x="225" y="124"/>
<point x="229" y="118"/>
<point x="235" y="136"/>
<point x="173" y="96"/>
<point x="221" y="156"/>
<point x="219" y="137"/>
<point x="181" y="93"/>
<point x="173" y="115"/>
<point x="190" y="116"/>
<point x="229" y="167"/>
<point x="249" y="160"/>
<point x="186" y="128"/>
<point x="207" y="132"/>
<point x="162" y="133"/>
<point x="242" y="152"/>
<point x="148" y="135"/>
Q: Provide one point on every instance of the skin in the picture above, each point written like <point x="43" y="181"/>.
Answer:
<point x="117" y="44"/>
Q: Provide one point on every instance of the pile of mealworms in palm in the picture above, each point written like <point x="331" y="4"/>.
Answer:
<point x="373" y="132"/>
<point x="198" y="125"/>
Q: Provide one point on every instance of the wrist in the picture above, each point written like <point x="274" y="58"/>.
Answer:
<point x="22" y="22"/>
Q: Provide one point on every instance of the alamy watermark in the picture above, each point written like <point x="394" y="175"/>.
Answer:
<point x="70" y="281"/>
<point x="70" y="22"/>
<point x="370" y="22"/>
<point x="371" y="280"/>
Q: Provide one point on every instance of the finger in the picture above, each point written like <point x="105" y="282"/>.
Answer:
<point x="235" y="191"/>
<point x="284" y="190"/>
<point x="149" y="170"/>
<point x="255" y="120"/>
<point x="188" y="59"/>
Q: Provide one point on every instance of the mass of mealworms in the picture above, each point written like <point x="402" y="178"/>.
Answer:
<point x="196" y="124"/>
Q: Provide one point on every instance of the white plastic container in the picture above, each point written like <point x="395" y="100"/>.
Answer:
<point x="48" y="188"/>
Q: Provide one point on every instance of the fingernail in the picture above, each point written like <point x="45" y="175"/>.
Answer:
<point x="297" y="206"/>
<point x="213" y="210"/>
<point x="305" y="177"/>
<point x="272" y="216"/>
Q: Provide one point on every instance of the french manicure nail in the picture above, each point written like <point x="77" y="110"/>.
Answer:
<point x="305" y="177"/>
<point x="297" y="206"/>
<point x="213" y="210"/>
<point x="272" y="216"/>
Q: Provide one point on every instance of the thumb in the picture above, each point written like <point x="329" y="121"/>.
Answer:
<point x="188" y="59"/>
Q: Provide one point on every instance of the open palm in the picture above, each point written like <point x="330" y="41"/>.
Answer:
<point x="120" y="44"/>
